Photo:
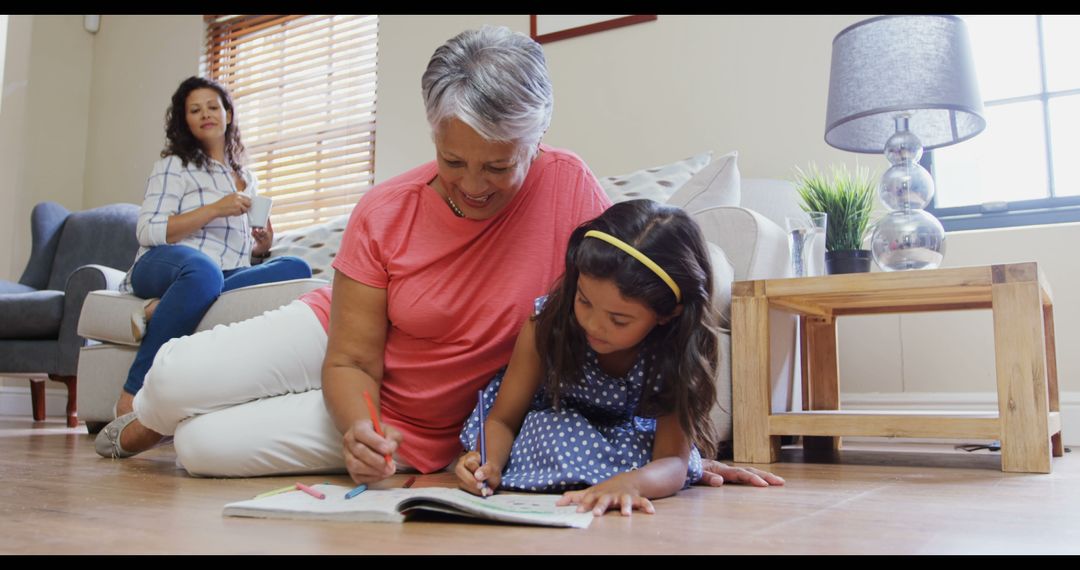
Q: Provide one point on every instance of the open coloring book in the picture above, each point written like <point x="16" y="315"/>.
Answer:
<point x="393" y="505"/>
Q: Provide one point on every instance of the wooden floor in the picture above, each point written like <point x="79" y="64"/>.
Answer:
<point x="58" y="497"/>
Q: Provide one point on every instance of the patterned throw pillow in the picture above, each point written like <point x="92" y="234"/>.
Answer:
<point x="317" y="245"/>
<point x="658" y="183"/>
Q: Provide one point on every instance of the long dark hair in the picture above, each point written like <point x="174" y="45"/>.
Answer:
<point x="686" y="347"/>
<point x="178" y="138"/>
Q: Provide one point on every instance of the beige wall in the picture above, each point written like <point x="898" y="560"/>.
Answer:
<point x="655" y="92"/>
<point x="12" y="151"/>
<point x="82" y="116"/>
<point x="57" y="110"/>
<point x="645" y="94"/>
<point x="44" y="121"/>
<point x="138" y="62"/>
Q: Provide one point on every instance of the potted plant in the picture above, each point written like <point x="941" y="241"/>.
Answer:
<point x="848" y="199"/>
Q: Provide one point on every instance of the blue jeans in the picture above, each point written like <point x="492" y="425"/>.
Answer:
<point x="188" y="283"/>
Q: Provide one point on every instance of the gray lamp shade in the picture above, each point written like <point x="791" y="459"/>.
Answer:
<point x="892" y="64"/>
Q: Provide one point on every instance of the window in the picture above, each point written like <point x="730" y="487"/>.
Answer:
<point x="1023" y="168"/>
<point x="304" y="90"/>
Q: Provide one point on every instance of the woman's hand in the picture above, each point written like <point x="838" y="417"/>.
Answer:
<point x="234" y="204"/>
<point x="618" y="492"/>
<point x="470" y="474"/>
<point x="179" y="226"/>
<point x="365" y="451"/>
<point x="352" y="367"/>
<point x="264" y="238"/>
<point x="715" y="474"/>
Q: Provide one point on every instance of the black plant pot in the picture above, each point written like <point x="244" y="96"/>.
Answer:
<point x="847" y="261"/>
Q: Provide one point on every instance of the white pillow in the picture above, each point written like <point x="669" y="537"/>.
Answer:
<point x="317" y="245"/>
<point x="657" y="183"/>
<point x="715" y="185"/>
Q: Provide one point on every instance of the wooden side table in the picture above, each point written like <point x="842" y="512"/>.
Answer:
<point x="1028" y="422"/>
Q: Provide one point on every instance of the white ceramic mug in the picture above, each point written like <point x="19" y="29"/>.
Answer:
<point x="259" y="212"/>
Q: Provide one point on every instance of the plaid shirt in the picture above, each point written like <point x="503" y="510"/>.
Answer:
<point x="176" y="189"/>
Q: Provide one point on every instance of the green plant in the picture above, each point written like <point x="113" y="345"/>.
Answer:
<point x="847" y="197"/>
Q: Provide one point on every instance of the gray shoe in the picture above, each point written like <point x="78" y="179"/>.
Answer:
<point x="107" y="443"/>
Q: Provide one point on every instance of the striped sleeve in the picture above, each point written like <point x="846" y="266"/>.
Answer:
<point x="164" y="189"/>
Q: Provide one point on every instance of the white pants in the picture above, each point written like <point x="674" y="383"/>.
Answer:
<point x="245" y="399"/>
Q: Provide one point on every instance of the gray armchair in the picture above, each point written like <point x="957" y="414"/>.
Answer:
<point x="69" y="257"/>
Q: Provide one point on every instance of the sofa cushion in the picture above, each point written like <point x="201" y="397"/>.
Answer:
<point x="657" y="183"/>
<point x="33" y="315"/>
<point x="723" y="275"/>
<point x="715" y="185"/>
<point x="756" y="247"/>
<point x="7" y="287"/>
<point x="106" y="315"/>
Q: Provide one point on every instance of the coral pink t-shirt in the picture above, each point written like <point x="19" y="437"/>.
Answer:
<point x="458" y="290"/>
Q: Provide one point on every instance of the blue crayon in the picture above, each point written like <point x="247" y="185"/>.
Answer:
<point x="356" y="491"/>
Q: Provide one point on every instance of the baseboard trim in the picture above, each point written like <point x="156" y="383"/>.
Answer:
<point x="16" y="401"/>
<point x="961" y="401"/>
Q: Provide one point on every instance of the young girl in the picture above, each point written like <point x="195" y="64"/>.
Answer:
<point x="610" y="385"/>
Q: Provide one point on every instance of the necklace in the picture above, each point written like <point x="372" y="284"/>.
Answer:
<point x="454" y="207"/>
<point x="449" y="200"/>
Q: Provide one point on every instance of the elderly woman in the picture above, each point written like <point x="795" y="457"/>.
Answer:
<point x="437" y="271"/>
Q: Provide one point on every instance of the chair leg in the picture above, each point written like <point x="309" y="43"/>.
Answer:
<point x="72" y="392"/>
<point x="37" y="399"/>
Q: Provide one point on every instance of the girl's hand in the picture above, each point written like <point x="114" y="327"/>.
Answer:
<point x="715" y="474"/>
<point x="264" y="238"/>
<point x="617" y="492"/>
<point x="471" y="474"/>
<point x="365" y="451"/>
<point x="232" y="205"/>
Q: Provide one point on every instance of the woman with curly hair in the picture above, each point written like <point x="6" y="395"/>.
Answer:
<point x="196" y="241"/>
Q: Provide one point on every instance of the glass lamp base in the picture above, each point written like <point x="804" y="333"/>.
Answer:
<point x="908" y="239"/>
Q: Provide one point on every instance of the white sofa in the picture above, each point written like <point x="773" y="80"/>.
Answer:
<point x="105" y="318"/>
<point x="741" y="217"/>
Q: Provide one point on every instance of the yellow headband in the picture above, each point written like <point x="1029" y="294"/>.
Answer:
<point x="629" y="249"/>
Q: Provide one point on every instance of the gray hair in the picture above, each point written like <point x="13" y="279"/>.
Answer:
<point x="494" y="80"/>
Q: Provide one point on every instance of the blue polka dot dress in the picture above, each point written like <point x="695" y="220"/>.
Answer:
<point x="592" y="437"/>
